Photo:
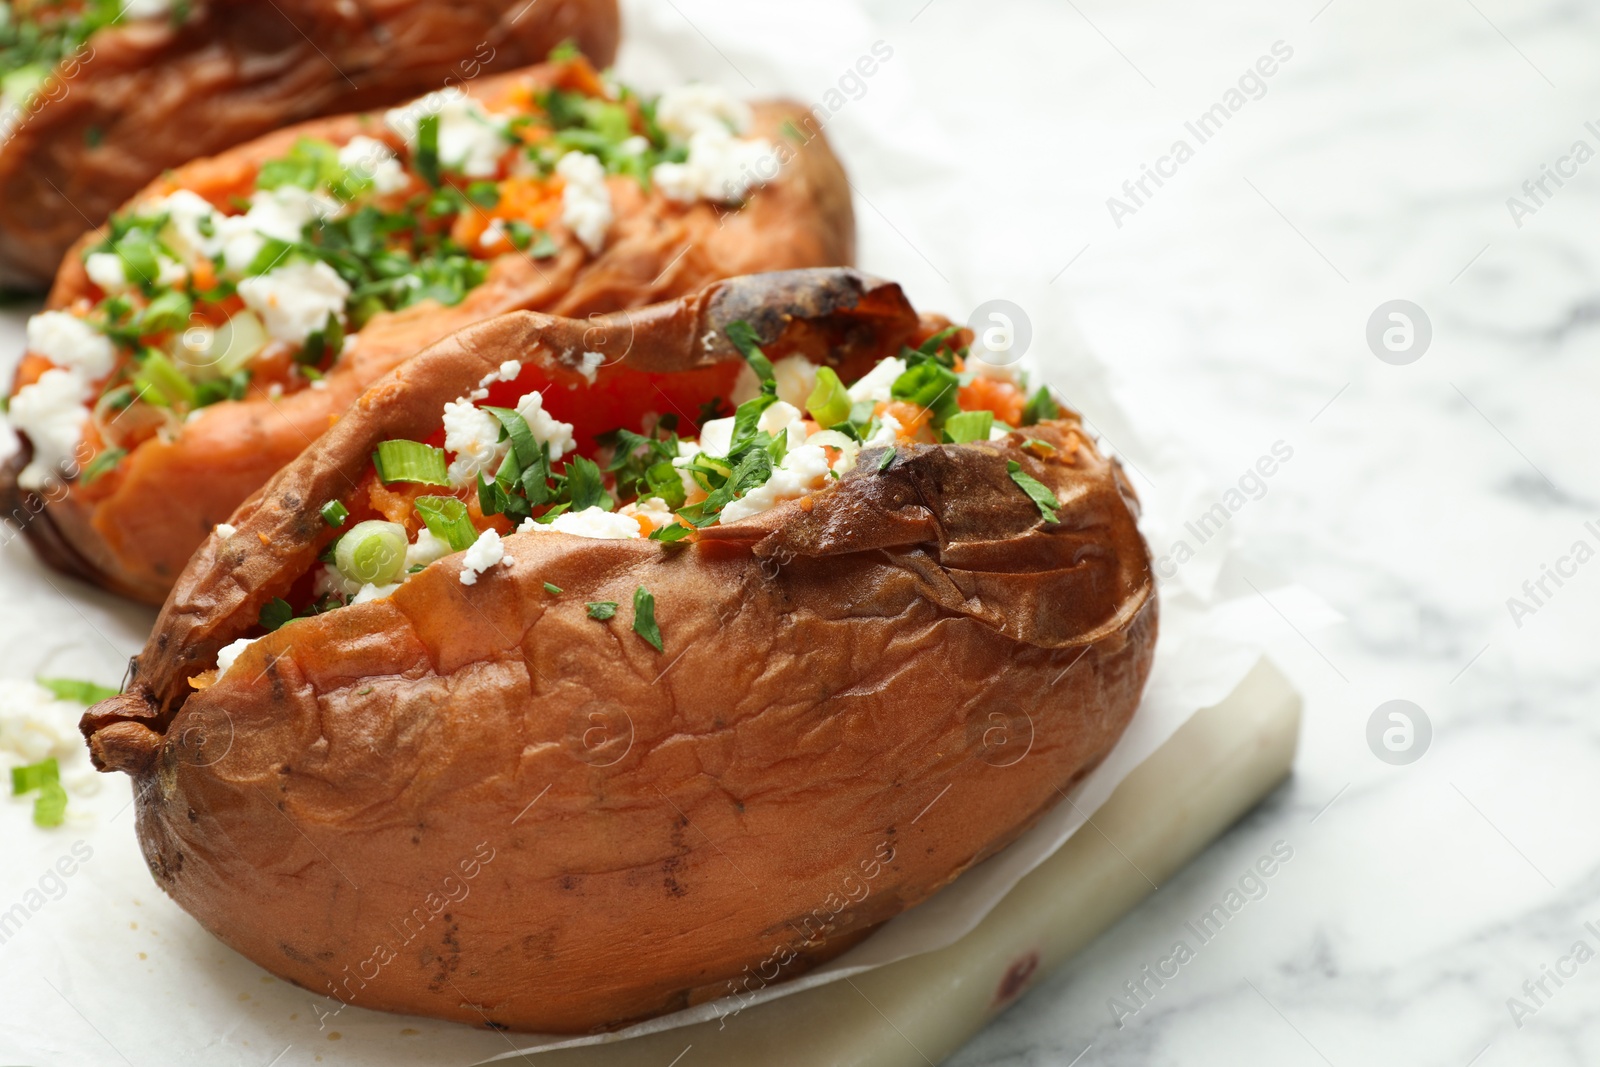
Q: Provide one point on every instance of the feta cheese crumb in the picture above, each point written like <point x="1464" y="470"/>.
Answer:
<point x="546" y="429"/>
<point x="145" y="9"/>
<point x="426" y="549"/>
<point x="797" y="378"/>
<point x="804" y="470"/>
<point x="296" y="299"/>
<point x="373" y="592"/>
<point x="68" y="341"/>
<point x="51" y="411"/>
<point x="653" y="508"/>
<point x="473" y="435"/>
<point x="230" y="654"/>
<point x="106" y="270"/>
<point x="484" y="553"/>
<point x="225" y="530"/>
<point x="585" y="200"/>
<point x="877" y="382"/>
<point x="590" y="522"/>
<point x="589" y="365"/>
<point x="716" y="437"/>
<point x="889" y="431"/>
<point x="369" y="158"/>
<point x="471" y="140"/>
<point x="720" y="168"/>
<point x="686" y="110"/>
<point x="34" y="725"/>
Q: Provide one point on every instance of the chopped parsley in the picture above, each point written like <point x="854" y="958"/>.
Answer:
<point x="644" y="617"/>
<point x="78" y="692"/>
<point x="1037" y="491"/>
<point x="602" y="610"/>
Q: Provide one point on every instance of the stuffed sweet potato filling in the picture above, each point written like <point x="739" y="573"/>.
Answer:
<point x="258" y="290"/>
<point x="504" y="459"/>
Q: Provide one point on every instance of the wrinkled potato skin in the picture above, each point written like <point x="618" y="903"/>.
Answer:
<point x="135" y="538"/>
<point x="492" y="808"/>
<point x="161" y="95"/>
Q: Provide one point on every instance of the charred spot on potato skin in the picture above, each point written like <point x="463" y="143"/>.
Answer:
<point x="492" y="1025"/>
<point x="194" y="816"/>
<point x="294" y="953"/>
<point x="570" y="882"/>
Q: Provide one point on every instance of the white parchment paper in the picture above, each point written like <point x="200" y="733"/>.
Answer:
<point x="97" y="966"/>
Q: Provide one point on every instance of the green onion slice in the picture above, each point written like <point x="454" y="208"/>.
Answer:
<point x="373" y="552"/>
<point x="829" y="403"/>
<point x="446" y="519"/>
<point x="969" y="426"/>
<point x="410" y="461"/>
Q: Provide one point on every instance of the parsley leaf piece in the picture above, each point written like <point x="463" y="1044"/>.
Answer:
<point x="1040" y="407"/>
<point x="602" y="610"/>
<point x="644" y="617"/>
<point x="743" y="337"/>
<point x="552" y="588"/>
<point x="888" y="458"/>
<point x="274" y="613"/>
<point x="1037" y="491"/>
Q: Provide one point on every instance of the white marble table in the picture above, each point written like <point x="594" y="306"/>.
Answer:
<point x="1232" y="304"/>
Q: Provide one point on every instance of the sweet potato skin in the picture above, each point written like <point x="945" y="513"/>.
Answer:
<point x="134" y="534"/>
<point x="152" y="96"/>
<point x="490" y="807"/>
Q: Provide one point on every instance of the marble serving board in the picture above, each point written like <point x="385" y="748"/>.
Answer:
<point x="919" y="1010"/>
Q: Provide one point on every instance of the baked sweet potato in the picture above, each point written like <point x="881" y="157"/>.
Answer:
<point x="575" y="776"/>
<point x="103" y="95"/>
<point x="194" y="350"/>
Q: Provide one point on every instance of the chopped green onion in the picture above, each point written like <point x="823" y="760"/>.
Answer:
<point x="77" y="692"/>
<point x="446" y="519"/>
<point x="274" y="614"/>
<point x="968" y="426"/>
<point x="484" y="194"/>
<point x="1037" y="491"/>
<point x="602" y="610"/>
<point x="744" y="339"/>
<point x="552" y="588"/>
<point x="888" y="458"/>
<point x="161" y="382"/>
<point x="644" y="617"/>
<point x="829" y="402"/>
<point x="410" y="461"/>
<point x="50" y="806"/>
<point x="334" y="513"/>
<point x="103" y="464"/>
<point x="373" y="552"/>
<point x="33" y="776"/>
<point x="166" y="312"/>
<point x="427" y="155"/>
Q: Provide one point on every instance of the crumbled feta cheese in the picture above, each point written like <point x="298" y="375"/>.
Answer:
<point x="471" y="140"/>
<point x="106" y="270"/>
<point x="797" y="378"/>
<point x="783" y="418"/>
<point x="373" y="592"/>
<point x="889" y="431"/>
<point x="329" y="582"/>
<point x="230" y="654"/>
<point x="225" y="530"/>
<point x="508" y="371"/>
<point x="686" y="110"/>
<point x="484" y="553"/>
<point x="192" y="223"/>
<point x="495" y="233"/>
<point x="877" y="382"/>
<point x="426" y="549"/>
<point x="51" y="411"/>
<point x="473" y="436"/>
<point x="590" y="522"/>
<point x="634" y="146"/>
<point x="804" y="470"/>
<point x="589" y="365"/>
<point x="720" y="168"/>
<point x="282" y="214"/>
<point x="546" y="429"/>
<point x="716" y="437"/>
<point x="295" y="300"/>
<point x="34" y="725"/>
<point x="585" y="200"/>
<point x="366" y="157"/>
<point x="997" y="433"/>
<point x="68" y="341"/>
